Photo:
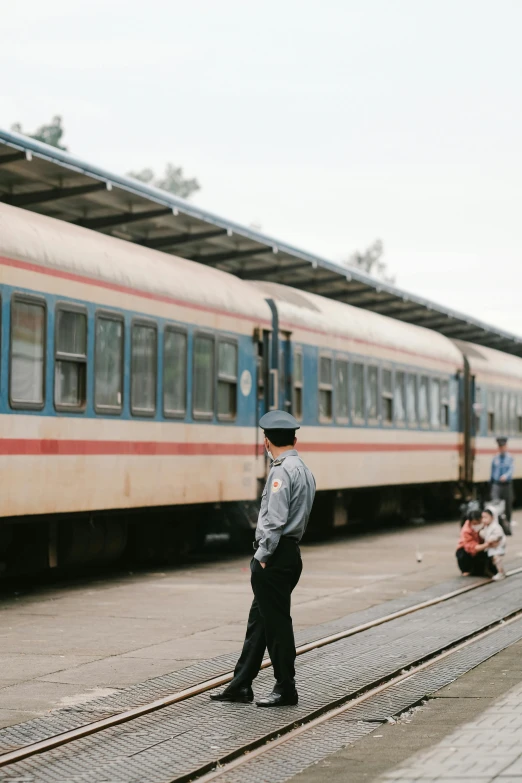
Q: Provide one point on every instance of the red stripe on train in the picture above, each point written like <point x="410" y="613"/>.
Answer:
<point x="50" y="447"/>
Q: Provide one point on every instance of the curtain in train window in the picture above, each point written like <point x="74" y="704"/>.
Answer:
<point x="227" y="379"/>
<point x="143" y="369"/>
<point x="27" y="376"/>
<point x="512" y="413"/>
<point x="411" y="400"/>
<point x="373" y="393"/>
<point x="70" y="373"/>
<point x="491" y="412"/>
<point x="445" y="405"/>
<point x="341" y="391"/>
<point x="505" y="413"/>
<point x="298" y="384"/>
<point x="174" y="372"/>
<point x="424" y="415"/>
<point x="435" y="403"/>
<point x="203" y="394"/>
<point x="325" y="388"/>
<point x="387" y="397"/>
<point x="358" y="392"/>
<point x="108" y="364"/>
<point x="519" y="415"/>
<point x="400" y="410"/>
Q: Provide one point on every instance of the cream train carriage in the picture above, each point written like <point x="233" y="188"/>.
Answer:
<point x="378" y="399"/>
<point x="493" y="407"/>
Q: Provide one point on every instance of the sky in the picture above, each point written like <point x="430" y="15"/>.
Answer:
<point x="329" y="124"/>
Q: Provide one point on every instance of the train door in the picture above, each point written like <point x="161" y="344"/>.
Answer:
<point x="285" y="355"/>
<point x="467" y="423"/>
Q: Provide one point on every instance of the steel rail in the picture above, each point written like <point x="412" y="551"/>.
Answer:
<point x="42" y="746"/>
<point x="306" y="725"/>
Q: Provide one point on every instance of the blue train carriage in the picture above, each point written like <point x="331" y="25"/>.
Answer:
<point x="378" y="400"/>
<point x="494" y="409"/>
<point x="128" y="380"/>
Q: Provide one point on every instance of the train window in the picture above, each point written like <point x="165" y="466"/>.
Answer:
<point x="373" y="394"/>
<point x="444" y="403"/>
<point x="227" y="380"/>
<point x="387" y="397"/>
<point x="435" y="403"/>
<point x="108" y="364"/>
<point x="411" y="400"/>
<point x="325" y="388"/>
<point x="491" y="412"/>
<point x="203" y="380"/>
<point x="358" y="392"/>
<point x="27" y="362"/>
<point x="499" y="423"/>
<point x="424" y="410"/>
<point x="298" y="384"/>
<point x="70" y="368"/>
<point x="512" y="414"/>
<point x="505" y="412"/>
<point x="341" y="391"/>
<point x="174" y="372"/>
<point x="400" y="411"/>
<point x="143" y="369"/>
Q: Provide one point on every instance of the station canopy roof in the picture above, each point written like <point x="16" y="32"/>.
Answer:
<point x="47" y="180"/>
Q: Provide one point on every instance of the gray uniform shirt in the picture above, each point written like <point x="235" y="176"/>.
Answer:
<point x="285" y="504"/>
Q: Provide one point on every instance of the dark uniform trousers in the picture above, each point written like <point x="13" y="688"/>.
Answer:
<point x="503" y="490"/>
<point x="269" y="622"/>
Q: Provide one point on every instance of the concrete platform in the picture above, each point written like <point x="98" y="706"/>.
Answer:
<point x="61" y="645"/>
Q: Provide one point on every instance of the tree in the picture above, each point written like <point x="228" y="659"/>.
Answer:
<point x="49" y="134"/>
<point x="173" y="180"/>
<point x="371" y="262"/>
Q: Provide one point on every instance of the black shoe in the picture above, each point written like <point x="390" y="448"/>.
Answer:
<point x="279" y="700"/>
<point x="240" y="696"/>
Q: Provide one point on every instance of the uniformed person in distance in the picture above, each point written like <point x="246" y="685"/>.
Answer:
<point x="502" y="468"/>
<point x="275" y="568"/>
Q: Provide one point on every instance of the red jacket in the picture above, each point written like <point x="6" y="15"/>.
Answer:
<point x="469" y="538"/>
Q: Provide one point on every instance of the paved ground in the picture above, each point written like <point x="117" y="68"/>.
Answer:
<point x="66" y="645"/>
<point x="469" y="732"/>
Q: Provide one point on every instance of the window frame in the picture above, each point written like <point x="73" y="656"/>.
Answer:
<point x="325" y="387"/>
<point x="141" y="412"/>
<point x="204" y="415"/>
<point x="298" y="351"/>
<point x="226" y="379"/>
<point x="167" y="413"/>
<point x="387" y="395"/>
<point x="109" y="315"/>
<point x="341" y="419"/>
<point x="42" y="302"/>
<point x="61" y="357"/>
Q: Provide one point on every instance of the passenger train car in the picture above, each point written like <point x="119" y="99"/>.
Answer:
<point x="131" y="383"/>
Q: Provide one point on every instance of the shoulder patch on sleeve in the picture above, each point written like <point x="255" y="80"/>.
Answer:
<point x="276" y="485"/>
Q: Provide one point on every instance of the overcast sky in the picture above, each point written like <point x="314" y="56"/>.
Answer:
<point x="328" y="123"/>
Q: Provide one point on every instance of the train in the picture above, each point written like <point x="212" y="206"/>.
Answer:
<point x="132" y="383"/>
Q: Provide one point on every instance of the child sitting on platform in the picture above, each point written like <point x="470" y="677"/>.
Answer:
<point x="493" y="536"/>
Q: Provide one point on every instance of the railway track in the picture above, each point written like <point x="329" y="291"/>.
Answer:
<point x="37" y="754"/>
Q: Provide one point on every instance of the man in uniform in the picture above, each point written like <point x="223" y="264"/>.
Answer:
<point x="502" y="478"/>
<point x="275" y="568"/>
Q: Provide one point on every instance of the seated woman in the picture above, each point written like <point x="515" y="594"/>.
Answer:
<point x="472" y="558"/>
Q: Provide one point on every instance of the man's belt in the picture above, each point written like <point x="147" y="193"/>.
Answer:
<point x="255" y="544"/>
